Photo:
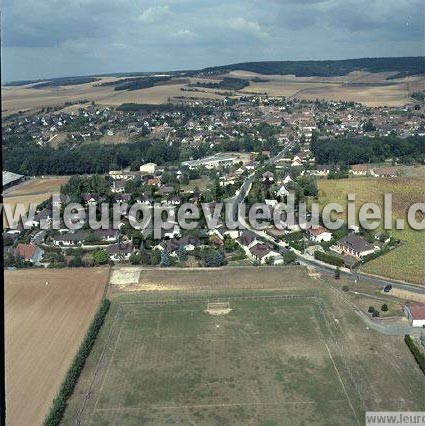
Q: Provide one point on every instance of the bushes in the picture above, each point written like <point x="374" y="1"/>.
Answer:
<point x="59" y="403"/>
<point x="328" y="258"/>
<point x="337" y="274"/>
<point x="417" y="353"/>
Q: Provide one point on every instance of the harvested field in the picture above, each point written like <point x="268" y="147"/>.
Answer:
<point x="33" y="191"/>
<point x="406" y="262"/>
<point x="44" y="326"/>
<point x="26" y="98"/>
<point x="371" y="89"/>
<point x="395" y="95"/>
<point x="283" y="88"/>
<point x="292" y="355"/>
<point x="37" y="186"/>
<point x="155" y="95"/>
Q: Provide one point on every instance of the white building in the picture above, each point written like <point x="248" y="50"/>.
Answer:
<point x="319" y="234"/>
<point x="148" y="168"/>
<point x="214" y="161"/>
<point x="415" y="314"/>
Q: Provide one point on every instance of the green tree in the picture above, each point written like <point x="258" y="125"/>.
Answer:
<point x="155" y="257"/>
<point x="100" y="257"/>
<point x="337" y="274"/>
<point x="181" y="254"/>
<point x="289" y="257"/>
<point x="135" y="258"/>
<point x="76" y="262"/>
<point x="384" y="307"/>
<point x="165" y="259"/>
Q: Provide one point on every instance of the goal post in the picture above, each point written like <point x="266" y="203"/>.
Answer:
<point x="218" y="305"/>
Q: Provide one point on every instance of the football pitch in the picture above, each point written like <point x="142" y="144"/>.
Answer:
<point x="292" y="355"/>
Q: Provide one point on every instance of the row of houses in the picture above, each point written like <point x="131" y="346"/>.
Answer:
<point x="351" y="245"/>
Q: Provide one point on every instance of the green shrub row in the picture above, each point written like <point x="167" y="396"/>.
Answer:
<point x="417" y="353"/>
<point x="328" y="258"/>
<point x="59" y="403"/>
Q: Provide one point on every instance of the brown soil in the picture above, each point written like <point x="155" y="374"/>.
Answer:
<point x="44" y="326"/>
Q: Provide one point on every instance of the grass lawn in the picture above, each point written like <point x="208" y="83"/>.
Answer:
<point x="271" y="360"/>
<point x="406" y="262"/>
<point x="177" y="364"/>
<point x="201" y="183"/>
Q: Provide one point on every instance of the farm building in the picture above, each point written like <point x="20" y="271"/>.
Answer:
<point x="415" y="314"/>
<point x="11" y="179"/>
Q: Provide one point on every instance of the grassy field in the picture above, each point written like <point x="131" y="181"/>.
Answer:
<point x="202" y="184"/>
<point x="270" y="360"/>
<point x="44" y="326"/>
<point x="406" y="262"/>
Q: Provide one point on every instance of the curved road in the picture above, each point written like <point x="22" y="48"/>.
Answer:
<point x="309" y="260"/>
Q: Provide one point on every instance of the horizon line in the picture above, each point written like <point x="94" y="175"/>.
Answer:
<point x="111" y="74"/>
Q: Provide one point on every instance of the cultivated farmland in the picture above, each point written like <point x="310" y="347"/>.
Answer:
<point x="47" y="313"/>
<point x="369" y="88"/>
<point x="273" y="359"/>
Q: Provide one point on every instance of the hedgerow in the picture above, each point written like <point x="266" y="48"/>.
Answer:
<point x="59" y="403"/>
<point x="328" y="258"/>
<point x="417" y="353"/>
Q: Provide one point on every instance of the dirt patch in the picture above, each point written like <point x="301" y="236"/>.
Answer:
<point x="124" y="277"/>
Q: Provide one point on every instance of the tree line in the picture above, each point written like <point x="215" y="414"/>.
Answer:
<point x="368" y="150"/>
<point x="24" y="157"/>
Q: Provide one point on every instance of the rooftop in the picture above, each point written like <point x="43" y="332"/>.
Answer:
<point x="417" y="310"/>
<point x="9" y="177"/>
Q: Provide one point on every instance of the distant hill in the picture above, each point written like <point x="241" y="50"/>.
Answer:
<point x="401" y="66"/>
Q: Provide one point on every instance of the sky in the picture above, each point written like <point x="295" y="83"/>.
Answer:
<point x="53" y="38"/>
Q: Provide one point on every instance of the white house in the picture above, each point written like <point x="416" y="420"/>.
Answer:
<point x="260" y="252"/>
<point x="287" y="180"/>
<point x="318" y="234"/>
<point x="415" y="314"/>
<point x="148" y="168"/>
<point x="282" y="192"/>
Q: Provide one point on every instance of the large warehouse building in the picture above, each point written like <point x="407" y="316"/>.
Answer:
<point x="11" y="179"/>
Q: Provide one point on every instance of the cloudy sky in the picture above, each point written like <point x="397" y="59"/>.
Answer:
<point x="48" y="38"/>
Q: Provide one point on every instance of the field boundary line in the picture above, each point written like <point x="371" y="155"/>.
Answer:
<point x="107" y="368"/>
<point x="230" y="298"/>
<point x="333" y="337"/>
<point x="342" y="383"/>
<point x="87" y="396"/>
<point x="235" y="404"/>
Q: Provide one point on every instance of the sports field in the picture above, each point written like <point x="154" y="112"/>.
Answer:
<point x="284" y="356"/>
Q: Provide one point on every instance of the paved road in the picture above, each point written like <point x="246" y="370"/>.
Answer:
<point x="309" y="260"/>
